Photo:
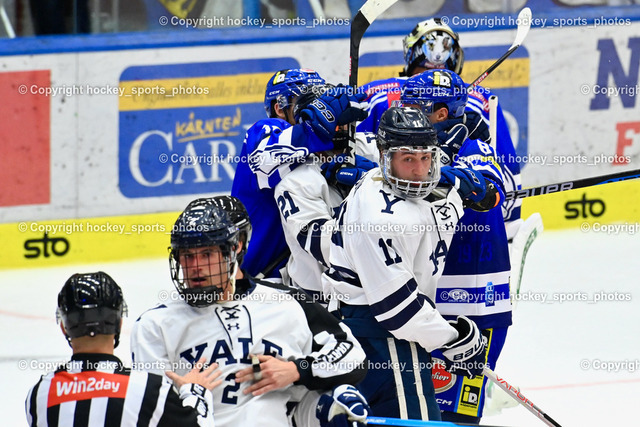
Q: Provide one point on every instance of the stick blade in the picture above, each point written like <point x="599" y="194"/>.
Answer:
<point x="524" y="24"/>
<point x="374" y="8"/>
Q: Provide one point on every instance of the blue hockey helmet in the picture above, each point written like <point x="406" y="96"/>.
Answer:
<point x="407" y="129"/>
<point x="203" y="224"/>
<point x="91" y="304"/>
<point x="433" y="87"/>
<point x="284" y="85"/>
<point x="432" y="44"/>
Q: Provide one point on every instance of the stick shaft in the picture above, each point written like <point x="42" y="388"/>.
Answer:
<point x="524" y="24"/>
<point x="572" y="185"/>
<point x="520" y="398"/>
<point x="492" y="67"/>
<point x="368" y="13"/>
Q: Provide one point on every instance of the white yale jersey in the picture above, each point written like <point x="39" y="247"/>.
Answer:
<point x="388" y="253"/>
<point x="263" y="320"/>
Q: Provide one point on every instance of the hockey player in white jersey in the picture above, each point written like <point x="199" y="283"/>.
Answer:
<point x="388" y="250"/>
<point x="475" y="281"/>
<point x="307" y="197"/>
<point x="241" y="324"/>
<point x="344" y="404"/>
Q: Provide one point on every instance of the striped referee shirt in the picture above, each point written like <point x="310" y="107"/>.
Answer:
<point x="97" y="390"/>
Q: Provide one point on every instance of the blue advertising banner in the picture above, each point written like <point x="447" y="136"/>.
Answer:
<point x="182" y="126"/>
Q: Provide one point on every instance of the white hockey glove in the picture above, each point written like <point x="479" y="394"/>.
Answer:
<point x="344" y="407"/>
<point x="465" y="355"/>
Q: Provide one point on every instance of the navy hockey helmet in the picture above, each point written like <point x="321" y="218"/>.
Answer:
<point x="201" y="275"/>
<point x="432" y="44"/>
<point x="407" y="129"/>
<point x="432" y="88"/>
<point x="240" y="217"/>
<point x="91" y="304"/>
<point x="285" y="85"/>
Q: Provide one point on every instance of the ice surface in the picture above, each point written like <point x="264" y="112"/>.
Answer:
<point x="543" y="353"/>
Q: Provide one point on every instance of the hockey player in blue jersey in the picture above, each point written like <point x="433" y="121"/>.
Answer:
<point x="275" y="146"/>
<point x="475" y="280"/>
<point x="432" y="44"/>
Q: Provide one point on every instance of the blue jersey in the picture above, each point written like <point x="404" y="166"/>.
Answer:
<point x="475" y="281"/>
<point x="382" y="94"/>
<point x="506" y="153"/>
<point x="271" y="149"/>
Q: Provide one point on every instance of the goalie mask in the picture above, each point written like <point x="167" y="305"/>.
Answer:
<point x="91" y="304"/>
<point x="432" y="89"/>
<point x="203" y="259"/>
<point x="409" y="153"/>
<point x="432" y="44"/>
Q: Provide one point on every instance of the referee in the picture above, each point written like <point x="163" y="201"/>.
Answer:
<point x="94" y="388"/>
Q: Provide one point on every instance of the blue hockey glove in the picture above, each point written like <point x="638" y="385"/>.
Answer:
<point x="329" y="111"/>
<point x="491" y="199"/>
<point x="445" y="125"/>
<point x="344" y="407"/>
<point x="451" y="140"/>
<point x="470" y="184"/>
<point x="338" y="170"/>
<point x="465" y="355"/>
<point x="478" y="129"/>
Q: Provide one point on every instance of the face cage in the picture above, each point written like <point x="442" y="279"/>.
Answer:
<point x="408" y="188"/>
<point x="425" y="106"/>
<point x="295" y="90"/>
<point x="206" y="295"/>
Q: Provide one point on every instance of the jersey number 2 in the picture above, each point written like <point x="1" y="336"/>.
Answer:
<point x="227" y="396"/>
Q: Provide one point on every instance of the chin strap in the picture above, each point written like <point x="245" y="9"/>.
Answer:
<point x="233" y="269"/>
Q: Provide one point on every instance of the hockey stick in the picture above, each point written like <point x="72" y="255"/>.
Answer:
<point x="520" y="398"/>
<point x="269" y="268"/>
<point x="530" y="229"/>
<point x="524" y="24"/>
<point x="572" y="185"/>
<point x="398" y="422"/>
<point x="368" y="13"/>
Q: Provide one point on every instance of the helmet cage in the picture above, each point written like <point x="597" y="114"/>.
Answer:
<point x="203" y="296"/>
<point x="203" y="224"/>
<point x="410" y="188"/>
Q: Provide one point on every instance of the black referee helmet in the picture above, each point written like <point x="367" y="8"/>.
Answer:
<point x="90" y="304"/>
